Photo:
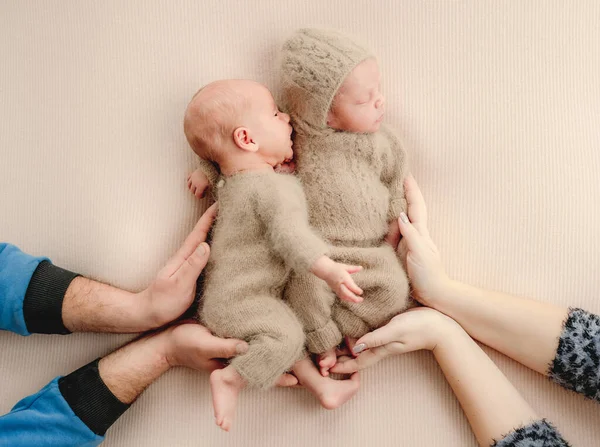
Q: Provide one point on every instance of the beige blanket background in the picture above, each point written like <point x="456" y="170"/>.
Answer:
<point x="499" y="102"/>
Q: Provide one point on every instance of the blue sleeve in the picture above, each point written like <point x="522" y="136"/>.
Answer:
<point x="45" y="419"/>
<point x="16" y="270"/>
<point x="32" y="290"/>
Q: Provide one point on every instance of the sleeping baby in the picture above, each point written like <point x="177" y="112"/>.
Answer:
<point x="352" y="170"/>
<point x="261" y="235"/>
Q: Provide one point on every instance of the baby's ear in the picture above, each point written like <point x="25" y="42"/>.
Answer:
<point x="243" y="139"/>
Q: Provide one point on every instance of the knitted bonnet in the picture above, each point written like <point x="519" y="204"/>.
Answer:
<point x="314" y="64"/>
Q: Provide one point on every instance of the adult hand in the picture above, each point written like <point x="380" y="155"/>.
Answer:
<point x="194" y="346"/>
<point x="416" y="329"/>
<point x="172" y="291"/>
<point x="423" y="262"/>
<point x="191" y="345"/>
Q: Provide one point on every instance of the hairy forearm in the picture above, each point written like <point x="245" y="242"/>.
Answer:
<point x="490" y="402"/>
<point x="525" y="330"/>
<point x="90" y="306"/>
<point x="130" y="370"/>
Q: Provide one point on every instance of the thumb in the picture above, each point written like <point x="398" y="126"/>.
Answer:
<point x="410" y="233"/>
<point x="379" y="337"/>
<point x="224" y="348"/>
<point x="192" y="267"/>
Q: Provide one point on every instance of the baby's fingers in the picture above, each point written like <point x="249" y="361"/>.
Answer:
<point x="351" y="285"/>
<point x="352" y="268"/>
<point x="347" y="295"/>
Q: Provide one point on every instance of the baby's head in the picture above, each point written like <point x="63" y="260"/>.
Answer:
<point x="236" y="123"/>
<point x="329" y="80"/>
<point x="358" y="105"/>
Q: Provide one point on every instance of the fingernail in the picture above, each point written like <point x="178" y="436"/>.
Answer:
<point x="241" y="348"/>
<point x="403" y="217"/>
<point x="359" y="348"/>
<point x="201" y="250"/>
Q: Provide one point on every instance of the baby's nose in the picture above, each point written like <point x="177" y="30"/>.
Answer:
<point x="286" y="117"/>
<point x="380" y="102"/>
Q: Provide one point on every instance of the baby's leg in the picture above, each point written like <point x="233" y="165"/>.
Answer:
<point x="331" y="393"/>
<point x="311" y="300"/>
<point x="225" y="385"/>
<point x="274" y="335"/>
<point x="385" y="286"/>
<point x="275" y="342"/>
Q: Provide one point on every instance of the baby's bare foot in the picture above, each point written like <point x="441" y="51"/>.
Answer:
<point x="327" y="361"/>
<point x="336" y="393"/>
<point x="225" y="385"/>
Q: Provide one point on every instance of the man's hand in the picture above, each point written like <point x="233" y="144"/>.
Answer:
<point x="198" y="183"/>
<point x="338" y="277"/>
<point x="193" y="346"/>
<point x="172" y="291"/>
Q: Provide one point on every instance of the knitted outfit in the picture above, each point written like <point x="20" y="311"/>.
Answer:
<point x="354" y="188"/>
<point x="261" y="233"/>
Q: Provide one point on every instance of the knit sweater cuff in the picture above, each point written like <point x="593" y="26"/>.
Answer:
<point x="576" y="366"/>
<point x="209" y="169"/>
<point x="42" y="305"/>
<point x="324" y="338"/>
<point x="307" y="259"/>
<point x="537" y="433"/>
<point x="90" y="399"/>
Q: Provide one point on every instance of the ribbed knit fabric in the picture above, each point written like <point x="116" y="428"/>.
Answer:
<point x="210" y="170"/>
<point x="353" y="182"/>
<point x="261" y="233"/>
<point x="90" y="399"/>
<point x="42" y="306"/>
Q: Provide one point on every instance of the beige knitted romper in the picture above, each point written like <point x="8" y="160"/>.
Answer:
<point x="261" y="233"/>
<point x="354" y="188"/>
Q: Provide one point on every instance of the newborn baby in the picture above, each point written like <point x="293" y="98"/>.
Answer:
<point x="261" y="234"/>
<point x="352" y="169"/>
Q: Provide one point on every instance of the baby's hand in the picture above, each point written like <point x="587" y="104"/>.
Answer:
<point x="337" y="276"/>
<point x="286" y="168"/>
<point x="198" y="183"/>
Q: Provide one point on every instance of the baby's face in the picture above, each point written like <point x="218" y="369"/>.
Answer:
<point x="358" y="105"/>
<point x="269" y="127"/>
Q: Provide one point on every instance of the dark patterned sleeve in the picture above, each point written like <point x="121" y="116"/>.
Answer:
<point x="577" y="363"/>
<point x="537" y="434"/>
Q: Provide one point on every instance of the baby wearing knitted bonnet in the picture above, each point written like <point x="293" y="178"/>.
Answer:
<point x="261" y="234"/>
<point x="352" y="169"/>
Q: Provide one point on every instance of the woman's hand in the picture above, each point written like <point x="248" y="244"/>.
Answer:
<point x="413" y="330"/>
<point x="423" y="262"/>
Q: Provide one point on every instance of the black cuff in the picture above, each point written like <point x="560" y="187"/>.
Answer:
<point x="90" y="399"/>
<point x="42" y="306"/>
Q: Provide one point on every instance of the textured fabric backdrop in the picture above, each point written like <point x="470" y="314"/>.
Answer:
<point x="499" y="102"/>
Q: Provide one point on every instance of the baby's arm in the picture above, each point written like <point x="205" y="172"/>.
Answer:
<point x="202" y="178"/>
<point x="393" y="175"/>
<point x="283" y="211"/>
